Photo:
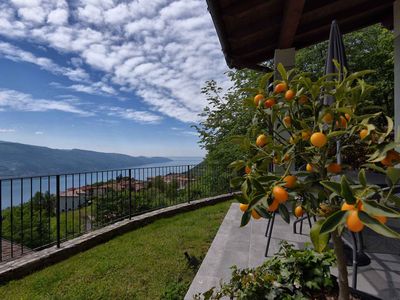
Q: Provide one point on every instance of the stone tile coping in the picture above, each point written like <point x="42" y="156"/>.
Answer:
<point x="37" y="260"/>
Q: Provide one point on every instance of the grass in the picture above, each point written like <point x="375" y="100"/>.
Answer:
<point x="142" y="264"/>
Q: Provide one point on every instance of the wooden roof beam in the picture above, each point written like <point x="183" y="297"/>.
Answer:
<point x="292" y="12"/>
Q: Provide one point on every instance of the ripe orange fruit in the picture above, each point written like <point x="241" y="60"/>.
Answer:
<point x="318" y="139"/>
<point x="255" y="214"/>
<point x="290" y="181"/>
<point x="286" y="157"/>
<point x="280" y="194"/>
<point x="289" y="95"/>
<point x="243" y="207"/>
<point x="247" y="169"/>
<point x="392" y="158"/>
<point x="303" y="99"/>
<point x="381" y="219"/>
<point x="274" y="205"/>
<point x="280" y="88"/>
<point x="353" y="222"/>
<point x="287" y="121"/>
<point x="327" y="118"/>
<point x="347" y="116"/>
<point x="305" y="135"/>
<point x="363" y="134"/>
<point x="334" y="168"/>
<point x="258" y="98"/>
<point x="346" y="206"/>
<point x="342" y="123"/>
<point x="261" y="140"/>
<point x="269" y="103"/>
<point x="298" y="211"/>
<point x="309" y="168"/>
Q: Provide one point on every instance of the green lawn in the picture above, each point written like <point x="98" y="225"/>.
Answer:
<point x="142" y="264"/>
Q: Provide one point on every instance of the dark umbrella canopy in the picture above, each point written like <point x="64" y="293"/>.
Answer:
<point x="337" y="52"/>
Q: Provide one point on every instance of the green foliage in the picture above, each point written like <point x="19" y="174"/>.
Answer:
<point x="289" y="274"/>
<point x="175" y="290"/>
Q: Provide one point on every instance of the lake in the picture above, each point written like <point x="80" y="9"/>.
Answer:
<point x="17" y="191"/>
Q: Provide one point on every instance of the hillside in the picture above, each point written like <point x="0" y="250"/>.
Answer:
<point x="27" y="160"/>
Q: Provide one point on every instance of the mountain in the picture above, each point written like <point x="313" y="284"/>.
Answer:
<point x="27" y="160"/>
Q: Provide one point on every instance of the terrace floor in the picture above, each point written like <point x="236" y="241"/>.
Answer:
<point x="245" y="247"/>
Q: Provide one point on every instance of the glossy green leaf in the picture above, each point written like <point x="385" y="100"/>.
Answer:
<point x="245" y="218"/>
<point x="377" y="226"/>
<point x="333" y="221"/>
<point x="375" y="168"/>
<point x="320" y="241"/>
<point x="333" y="186"/>
<point x="236" y="182"/>
<point x="375" y="209"/>
<point x="283" y="211"/>
<point x="393" y="174"/>
<point x="362" y="177"/>
<point x="346" y="191"/>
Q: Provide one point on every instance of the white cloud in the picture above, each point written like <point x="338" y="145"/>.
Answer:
<point x="6" y="130"/>
<point x="14" y="100"/>
<point x="39" y="132"/>
<point x="162" y="50"/>
<point x="143" y="117"/>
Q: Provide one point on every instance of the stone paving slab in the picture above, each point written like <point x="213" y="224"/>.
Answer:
<point x="245" y="247"/>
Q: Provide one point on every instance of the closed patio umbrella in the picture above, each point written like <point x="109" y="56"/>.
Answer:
<point x="336" y="52"/>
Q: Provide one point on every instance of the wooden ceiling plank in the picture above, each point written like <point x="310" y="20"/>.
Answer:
<point x="292" y="12"/>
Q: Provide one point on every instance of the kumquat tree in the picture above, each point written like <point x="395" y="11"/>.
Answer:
<point x="293" y="129"/>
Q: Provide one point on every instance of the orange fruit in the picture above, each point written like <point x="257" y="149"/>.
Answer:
<point x="305" y="135"/>
<point x="280" y="194"/>
<point x="346" y="206"/>
<point x="255" y="214"/>
<point x="327" y="118"/>
<point x="303" y="99"/>
<point x="280" y="88"/>
<point x="392" y="158"/>
<point x="334" y="168"/>
<point x="363" y="134"/>
<point x="287" y="121"/>
<point x="243" y="207"/>
<point x="318" y="139"/>
<point x="381" y="219"/>
<point x="286" y="157"/>
<point x="274" y="205"/>
<point x="298" y="211"/>
<point x="290" y="181"/>
<point x="247" y="169"/>
<point x="353" y="222"/>
<point x="309" y="168"/>
<point x="258" y="98"/>
<point x="342" y="123"/>
<point x="269" y="103"/>
<point x="289" y="95"/>
<point x="261" y="140"/>
<point x="347" y="116"/>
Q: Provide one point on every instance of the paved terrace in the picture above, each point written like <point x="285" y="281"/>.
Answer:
<point x="245" y="247"/>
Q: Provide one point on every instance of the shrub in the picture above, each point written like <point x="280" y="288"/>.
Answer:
<point x="289" y="274"/>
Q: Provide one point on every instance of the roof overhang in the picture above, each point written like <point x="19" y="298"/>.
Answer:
<point x="250" y="30"/>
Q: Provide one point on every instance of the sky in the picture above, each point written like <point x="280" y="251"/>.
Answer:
<point x="107" y="75"/>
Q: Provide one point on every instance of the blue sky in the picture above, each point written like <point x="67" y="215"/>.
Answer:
<point x="106" y="75"/>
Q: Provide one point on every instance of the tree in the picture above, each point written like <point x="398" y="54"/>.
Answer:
<point x="368" y="48"/>
<point x="299" y="126"/>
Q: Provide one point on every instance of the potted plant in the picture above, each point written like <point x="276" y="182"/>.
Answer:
<point x="291" y="126"/>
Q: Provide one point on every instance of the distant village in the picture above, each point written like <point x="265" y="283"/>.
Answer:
<point x="75" y="197"/>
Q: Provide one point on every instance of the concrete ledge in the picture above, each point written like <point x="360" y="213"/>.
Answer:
<point x="38" y="260"/>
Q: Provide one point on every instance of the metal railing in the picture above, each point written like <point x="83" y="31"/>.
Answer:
<point x="42" y="211"/>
